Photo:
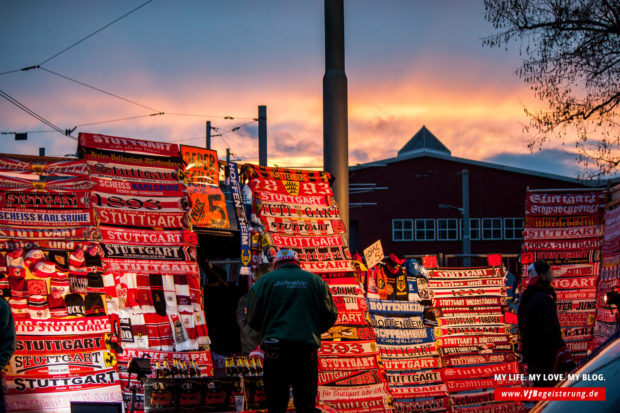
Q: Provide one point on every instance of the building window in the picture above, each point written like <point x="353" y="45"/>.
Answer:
<point x="513" y="228"/>
<point x="474" y="228"/>
<point x="425" y="230"/>
<point x="447" y="229"/>
<point x="402" y="230"/>
<point x="491" y="228"/>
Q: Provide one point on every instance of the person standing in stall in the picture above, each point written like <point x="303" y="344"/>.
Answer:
<point x="7" y="342"/>
<point x="250" y="338"/>
<point x="542" y="345"/>
<point x="291" y="308"/>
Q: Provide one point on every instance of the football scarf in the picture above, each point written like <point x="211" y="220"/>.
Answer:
<point x="477" y="372"/>
<point x="345" y="289"/>
<point x="575" y="306"/>
<point x="294" y="188"/>
<point x="468" y="292"/>
<point x="59" y="344"/>
<point x="460" y="341"/>
<point x="606" y="315"/>
<point x="466" y="283"/>
<point x="465" y="319"/>
<point x="287" y="241"/>
<point x="323" y="254"/>
<point x="44" y="383"/>
<point x="423" y="405"/>
<point x="278" y="198"/>
<point x="45" y="218"/>
<point x="575" y="282"/>
<point x="350" y="303"/>
<point x="566" y="198"/>
<point x="138" y="146"/>
<point x="349" y="333"/>
<point x="352" y="318"/>
<point x="47" y="199"/>
<point x="126" y="158"/>
<point x="138" y="173"/>
<point x="147" y="266"/>
<point x="416" y="350"/>
<point x="469" y="399"/>
<point x="258" y="171"/>
<point x="242" y="219"/>
<point x="562" y="221"/>
<point x="326" y="266"/>
<point x="76" y="233"/>
<point x="454" y="386"/>
<point x="575" y="270"/>
<point x="469" y="302"/>
<point x="468" y="349"/>
<point x="432" y="390"/>
<point x="369" y="405"/>
<point x="576" y="319"/>
<point x="350" y="378"/>
<point x="151" y="188"/>
<point x="591" y="231"/>
<point x="150" y="252"/>
<point x="136" y="203"/>
<point x="379" y="321"/>
<point x="357" y="392"/>
<point x="510" y="407"/>
<point x="394" y="307"/>
<point x="76" y="167"/>
<point x="568" y="256"/>
<point x="578" y="346"/>
<point x="577" y="333"/>
<point x="74" y="363"/>
<point x="404" y="364"/>
<point x="570" y="244"/>
<point x="345" y="348"/>
<point x="466" y="273"/>
<point x="279" y="210"/>
<point x="420" y="377"/>
<point x="554" y="210"/>
<point x="200" y="166"/>
<point x="57" y="183"/>
<point x="396" y="336"/>
<point x="434" y="312"/>
<point x="79" y="326"/>
<point x="471" y="330"/>
<point x="348" y="363"/>
<point x="463" y="360"/>
<point x="114" y="235"/>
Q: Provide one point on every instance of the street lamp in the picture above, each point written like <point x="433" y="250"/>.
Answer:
<point x="464" y="211"/>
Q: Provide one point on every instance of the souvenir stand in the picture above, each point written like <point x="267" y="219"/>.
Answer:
<point x="397" y="298"/>
<point x="564" y="228"/>
<point x="607" y="316"/>
<point x="296" y="210"/>
<point x="51" y="274"/>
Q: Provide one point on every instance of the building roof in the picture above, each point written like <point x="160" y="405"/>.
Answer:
<point x="424" y="140"/>
<point x="425" y="144"/>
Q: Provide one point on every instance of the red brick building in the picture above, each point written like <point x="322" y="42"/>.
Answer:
<point x="403" y="211"/>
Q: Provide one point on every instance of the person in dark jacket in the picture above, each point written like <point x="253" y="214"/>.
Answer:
<point x="7" y="341"/>
<point x="291" y="308"/>
<point x="250" y="338"/>
<point x="542" y="345"/>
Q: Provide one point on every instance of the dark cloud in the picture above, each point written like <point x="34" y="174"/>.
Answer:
<point x="358" y="156"/>
<point x="554" y="161"/>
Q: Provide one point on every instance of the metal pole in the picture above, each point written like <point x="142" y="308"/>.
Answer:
<point x="41" y="151"/>
<point x="262" y="135"/>
<point x="335" y="111"/>
<point x="466" y="227"/>
<point x="227" y="155"/>
<point x="208" y="143"/>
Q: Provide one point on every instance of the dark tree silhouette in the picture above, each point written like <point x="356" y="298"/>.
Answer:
<point x="571" y="51"/>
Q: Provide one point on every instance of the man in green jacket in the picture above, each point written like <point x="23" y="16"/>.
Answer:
<point x="7" y="341"/>
<point x="291" y="308"/>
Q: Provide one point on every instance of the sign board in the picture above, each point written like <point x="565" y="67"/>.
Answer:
<point x="373" y="254"/>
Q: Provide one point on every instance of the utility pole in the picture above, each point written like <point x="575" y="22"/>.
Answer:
<point x="208" y="142"/>
<point x="262" y="135"/>
<point x="335" y="111"/>
<point x="41" y="151"/>
<point x="466" y="226"/>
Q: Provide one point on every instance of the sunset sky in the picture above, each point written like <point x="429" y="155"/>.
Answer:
<point x="409" y="63"/>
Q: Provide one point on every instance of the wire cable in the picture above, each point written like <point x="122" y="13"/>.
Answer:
<point x="227" y="117"/>
<point x="93" y="33"/>
<point x="99" y="90"/>
<point x="32" y="113"/>
<point x="119" y="119"/>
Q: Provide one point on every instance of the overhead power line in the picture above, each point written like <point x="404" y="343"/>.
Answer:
<point x="66" y="132"/>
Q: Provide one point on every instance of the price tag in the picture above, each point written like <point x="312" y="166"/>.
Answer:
<point x="373" y="254"/>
